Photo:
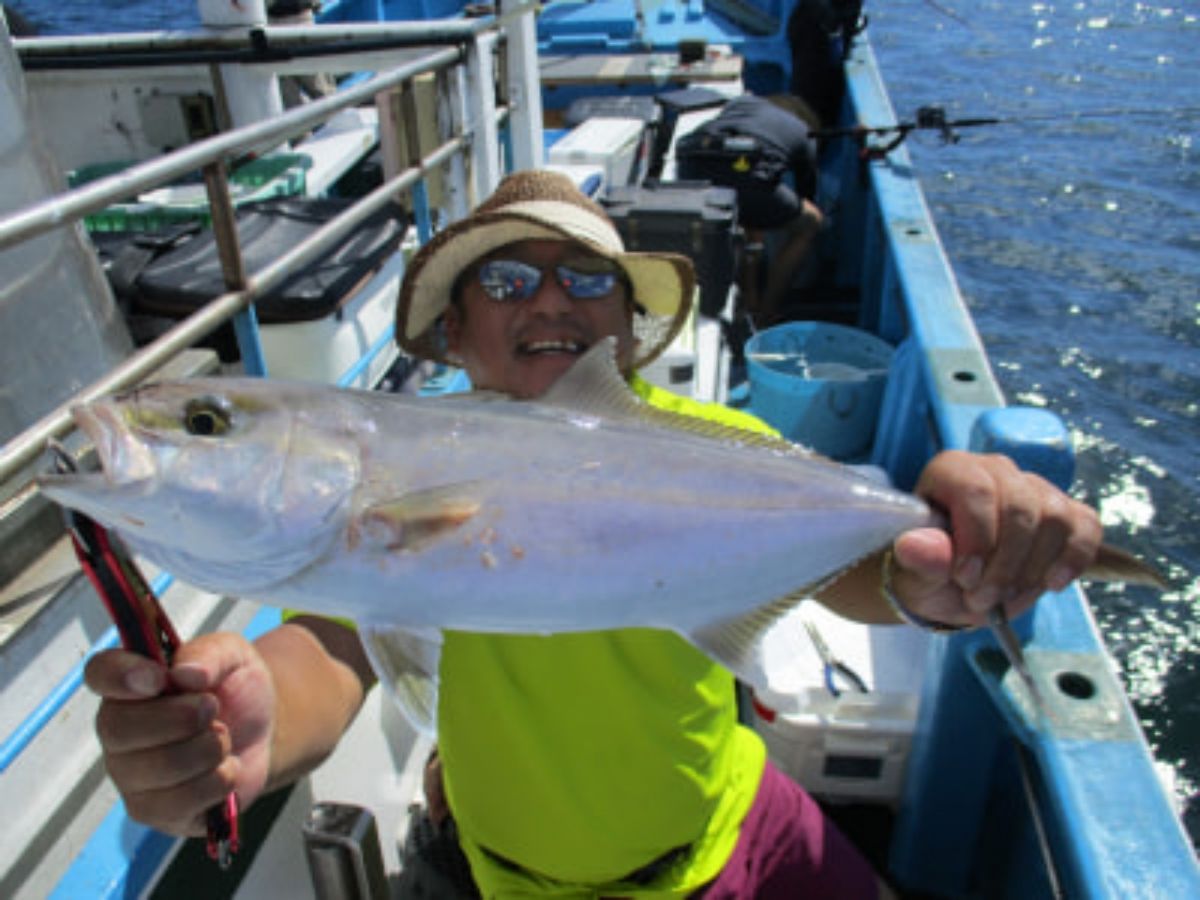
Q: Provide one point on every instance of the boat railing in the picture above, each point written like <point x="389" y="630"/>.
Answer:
<point x="469" y="148"/>
<point x="1088" y="756"/>
<point x="469" y="46"/>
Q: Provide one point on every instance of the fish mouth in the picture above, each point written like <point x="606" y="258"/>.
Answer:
<point x="119" y="460"/>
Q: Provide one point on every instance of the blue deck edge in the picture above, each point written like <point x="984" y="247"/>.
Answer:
<point x="1113" y="831"/>
<point x="122" y="857"/>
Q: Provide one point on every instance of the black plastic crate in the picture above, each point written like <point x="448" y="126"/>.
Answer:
<point x="693" y="218"/>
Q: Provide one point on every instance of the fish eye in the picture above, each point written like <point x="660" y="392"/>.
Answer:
<point x="206" y="417"/>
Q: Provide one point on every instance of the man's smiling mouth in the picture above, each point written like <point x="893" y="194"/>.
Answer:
<point x="537" y="348"/>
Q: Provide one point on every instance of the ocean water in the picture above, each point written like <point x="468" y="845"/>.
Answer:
<point x="1076" y="240"/>
<point x="1074" y="229"/>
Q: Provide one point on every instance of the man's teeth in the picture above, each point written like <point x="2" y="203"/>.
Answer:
<point x="553" y="347"/>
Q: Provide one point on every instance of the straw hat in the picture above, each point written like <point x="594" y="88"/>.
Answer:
<point x="539" y="205"/>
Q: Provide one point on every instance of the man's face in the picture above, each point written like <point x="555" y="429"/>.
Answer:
<point x="522" y="346"/>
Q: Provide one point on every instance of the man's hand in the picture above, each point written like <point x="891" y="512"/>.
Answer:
<point x="1013" y="535"/>
<point x="176" y="742"/>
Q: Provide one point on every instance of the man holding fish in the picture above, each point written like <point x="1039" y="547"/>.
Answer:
<point x="601" y="762"/>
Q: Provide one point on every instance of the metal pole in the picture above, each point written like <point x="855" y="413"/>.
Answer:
<point x="344" y="858"/>
<point x="48" y="214"/>
<point x="28" y="444"/>
<point x="481" y="112"/>
<point x="524" y="90"/>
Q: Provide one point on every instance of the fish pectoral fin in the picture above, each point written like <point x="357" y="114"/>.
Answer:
<point x="737" y="643"/>
<point x="406" y="662"/>
<point x="412" y="520"/>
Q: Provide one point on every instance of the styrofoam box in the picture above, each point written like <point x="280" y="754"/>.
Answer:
<point x="854" y="746"/>
<point x="675" y="368"/>
<point x="611" y="143"/>
<point x="857" y="752"/>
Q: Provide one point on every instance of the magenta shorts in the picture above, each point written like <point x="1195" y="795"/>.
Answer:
<point x="788" y="848"/>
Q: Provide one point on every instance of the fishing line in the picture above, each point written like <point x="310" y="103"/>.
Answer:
<point x="933" y="118"/>
<point x="1025" y="766"/>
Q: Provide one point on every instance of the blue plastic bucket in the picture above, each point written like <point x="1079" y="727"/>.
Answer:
<point x="819" y="384"/>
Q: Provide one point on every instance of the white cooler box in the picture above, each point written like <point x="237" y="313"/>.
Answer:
<point x="853" y="747"/>
<point x="617" y="145"/>
<point x="323" y="350"/>
<point x="315" y="325"/>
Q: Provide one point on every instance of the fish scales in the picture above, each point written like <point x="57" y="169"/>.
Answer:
<point x="583" y="510"/>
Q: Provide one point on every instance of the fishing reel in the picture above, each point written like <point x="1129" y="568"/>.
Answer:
<point x="933" y="118"/>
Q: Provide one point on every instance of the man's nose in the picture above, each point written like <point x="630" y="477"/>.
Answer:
<point x="550" y="297"/>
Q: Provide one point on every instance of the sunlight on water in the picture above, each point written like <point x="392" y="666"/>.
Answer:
<point x="1124" y="503"/>
<point x="1085" y="232"/>
<point x="1033" y="398"/>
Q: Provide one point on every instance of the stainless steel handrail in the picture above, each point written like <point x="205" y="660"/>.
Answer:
<point x="66" y="208"/>
<point x="48" y="214"/>
<point x="30" y="443"/>
<point x="274" y="37"/>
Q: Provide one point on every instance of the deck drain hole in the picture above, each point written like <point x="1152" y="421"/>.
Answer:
<point x="964" y="375"/>
<point x="1073" y="684"/>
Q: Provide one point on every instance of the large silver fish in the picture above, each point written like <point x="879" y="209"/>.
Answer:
<point x="583" y="510"/>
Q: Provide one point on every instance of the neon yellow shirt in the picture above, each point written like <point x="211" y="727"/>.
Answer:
<point x="583" y="757"/>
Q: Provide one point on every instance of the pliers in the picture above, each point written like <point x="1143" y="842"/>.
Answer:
<point x="838" y="676"/>
<point x="143" y="626"/>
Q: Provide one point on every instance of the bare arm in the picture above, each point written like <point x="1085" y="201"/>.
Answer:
<point x="321" y="676"/>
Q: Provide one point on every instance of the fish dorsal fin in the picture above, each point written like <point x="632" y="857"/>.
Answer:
<point x="737" y="643"/>
<point x="594" y="386"/>
<point x="411" y="520"/>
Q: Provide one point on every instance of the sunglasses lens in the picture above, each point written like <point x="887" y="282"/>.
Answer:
<point x="587" y="283"/>
<point x="508" y="280"/>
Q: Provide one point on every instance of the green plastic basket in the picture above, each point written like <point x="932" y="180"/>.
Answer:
<point x="273" y="175"/>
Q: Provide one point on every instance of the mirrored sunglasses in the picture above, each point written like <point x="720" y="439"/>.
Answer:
<point x="510" y="281"/>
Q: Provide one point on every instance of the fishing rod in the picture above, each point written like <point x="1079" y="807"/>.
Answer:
<point x="933" y="118"/>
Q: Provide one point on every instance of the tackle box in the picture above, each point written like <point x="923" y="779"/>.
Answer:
<point x="315" y="326"/>
<point x="693" y="218"/>
<point x="627" y="106"/>
<point x="188" y="274"/>
<point x="848" y="747"/>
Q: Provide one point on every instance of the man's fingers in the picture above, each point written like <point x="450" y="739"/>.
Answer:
<point x="206" y="661"/>
<point x="969" y="496"/>
<point x="121" y="675"/>
<point x="1019" y="521"/>
<point x="927" y="553"/>
<point x="168" y="766"/>
<point x="129" y="726"/>
<point x="181" y="809"/>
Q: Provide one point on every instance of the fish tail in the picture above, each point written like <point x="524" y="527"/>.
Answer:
<point x="1114" y="564"/>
